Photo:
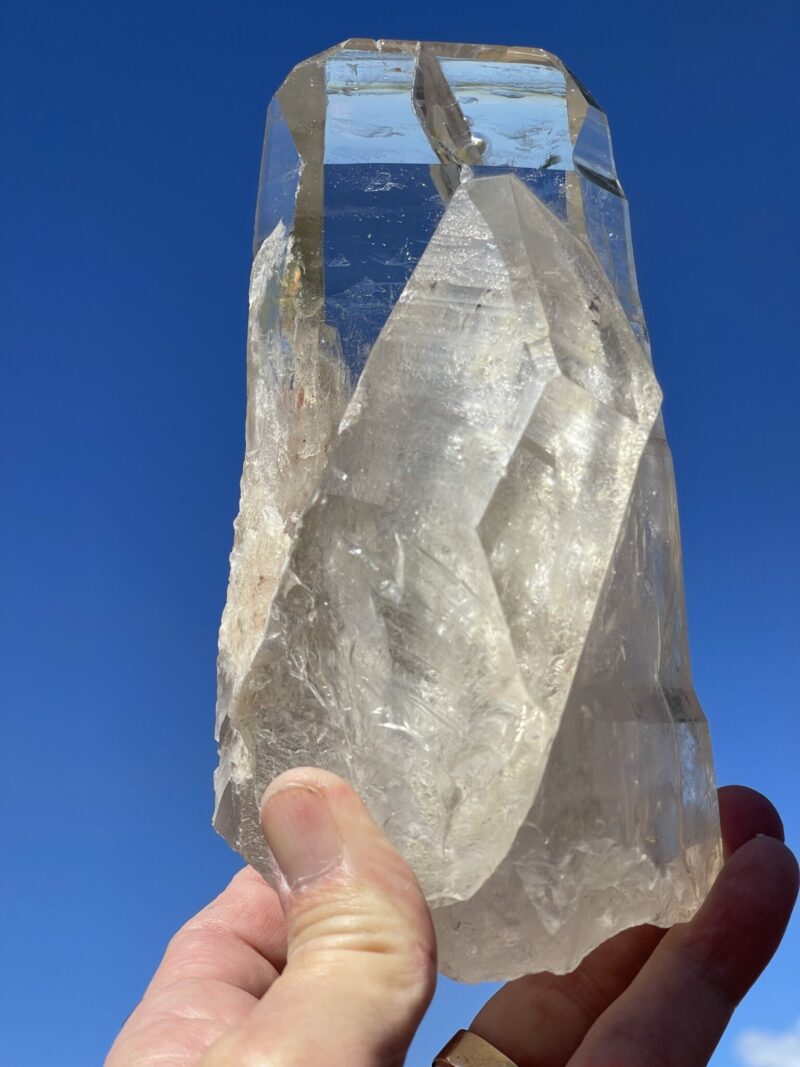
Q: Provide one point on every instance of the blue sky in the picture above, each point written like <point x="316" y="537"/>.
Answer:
<point x="131" y="137"/>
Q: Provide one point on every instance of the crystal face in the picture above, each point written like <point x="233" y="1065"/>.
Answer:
<point x="456" y="576"/>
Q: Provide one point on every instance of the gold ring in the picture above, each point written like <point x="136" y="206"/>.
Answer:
<point x="466" y="1049"/>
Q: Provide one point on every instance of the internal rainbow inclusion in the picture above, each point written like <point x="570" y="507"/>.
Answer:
<point x="573" y="796"/>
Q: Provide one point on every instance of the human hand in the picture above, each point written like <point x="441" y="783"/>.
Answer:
<point x="343" y="980"/>
<point x="643" y="998"/>
<point x="655" y="998"/>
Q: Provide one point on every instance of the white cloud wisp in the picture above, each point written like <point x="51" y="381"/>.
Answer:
<point x="757" y="1048"/>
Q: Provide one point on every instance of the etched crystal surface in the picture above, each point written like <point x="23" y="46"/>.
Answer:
<point x="456" y="575"/>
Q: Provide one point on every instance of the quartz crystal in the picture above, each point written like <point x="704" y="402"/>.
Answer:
<point x="456" y="576"/>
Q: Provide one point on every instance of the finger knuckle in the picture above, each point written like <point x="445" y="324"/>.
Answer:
<point x="367" y="932"/>
<point x="238" y="1048"/>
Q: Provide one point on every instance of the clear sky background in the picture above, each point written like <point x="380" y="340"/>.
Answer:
<point x="130" y="145"/>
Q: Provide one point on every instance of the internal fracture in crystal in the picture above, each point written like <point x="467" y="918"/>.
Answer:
<point x="456" y="576"/>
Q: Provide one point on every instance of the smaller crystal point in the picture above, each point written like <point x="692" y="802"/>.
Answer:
<point x="456" y="576"/>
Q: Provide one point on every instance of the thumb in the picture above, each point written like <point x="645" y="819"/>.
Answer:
<point x="361" y="951"/>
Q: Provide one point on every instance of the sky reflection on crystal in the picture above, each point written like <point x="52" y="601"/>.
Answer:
<point x="380" y="163"/>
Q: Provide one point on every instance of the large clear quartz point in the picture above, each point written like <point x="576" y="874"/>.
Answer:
<point x="456" y="575"/>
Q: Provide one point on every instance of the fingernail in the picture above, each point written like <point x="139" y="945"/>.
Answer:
<point x="301" y="833"/>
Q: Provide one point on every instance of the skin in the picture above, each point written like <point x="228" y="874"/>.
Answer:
<point x="339" y="967"/>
